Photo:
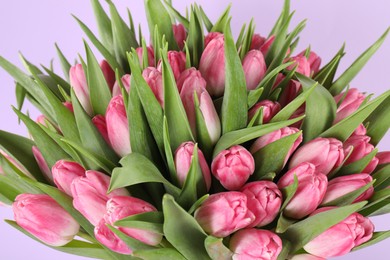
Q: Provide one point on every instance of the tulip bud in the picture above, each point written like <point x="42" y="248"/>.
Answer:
<point x="349" y="103"/>
<point x="177" y="60"/>
<point x="118" y="126"/>
<point x="343" y="185"/>
<point x="116" y="90"/>
<point x="361" y="147"/>
<point x="274" y="136"/>
<point x="325" y="153"/>
<point x="69" y="106"/>
<point x="140" y="52"/>
<point x="90" y="195"/>
<point x="264" y="200"/>
<point x="42" y="163"/>
<point x="311" y="184"/>
<point x="383" y="157"/>
<point x="180" y="34"/>
<point x="270" y="109"/>
<point x="183" y="160"/>
<point x="108" y="238"/>
<point x="44" y="218"/>
<point x="224" y="213"/>
<point x="314" y="61"/>
<point x="254" y="68"/>
<point x="108" y="73"/>
<point x="100" y="123"/>
<point x="211" y="36"/>
<point x="195" y="84"/>
<point x="290" y="92"/>
<point x="233" y="167"/>
<point x="301" y="64"/>
<point x="191" y="73"/>
<point x="257" y="42"/>
<point x="80" y="86"/>
<point x="360" y="130"/>
<point x="120" y="207"/>
<point x="255" y="244"/>
<point x="267" y="44"/>
<point x="64" y="172"/>
<point x="154" y="79"/>
<point x="342" y="237"/>
<point x="212" y="66"/>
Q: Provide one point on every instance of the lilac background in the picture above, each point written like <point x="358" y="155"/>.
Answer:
<point x="34" y="26"/>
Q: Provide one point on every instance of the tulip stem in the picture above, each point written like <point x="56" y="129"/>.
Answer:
<point x="86" y="237"/>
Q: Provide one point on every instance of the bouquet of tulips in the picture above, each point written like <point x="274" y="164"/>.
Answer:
<point x="197" y="145"/>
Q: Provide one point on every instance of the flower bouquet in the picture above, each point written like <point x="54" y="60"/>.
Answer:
<point x="197" y="145"/>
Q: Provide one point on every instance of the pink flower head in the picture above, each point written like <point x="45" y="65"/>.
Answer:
<point x="302" y="65"/>
<point x="349" y="103"/>
<point x="140" y="52"/>
<point x="126" y="82"/>
<point x="42" y="163"/>
<point x="100" y="123"/>
<point x="108" y="238"/>
<point x="254" y="68"/>
<point x="153" y="77"/>
<point x="177" y="61"/>
<point x="78" y="81"/>
<point x="257" y="42"/>
<point x="270" y="109"/>
<point x="180" y="34"/>
<point x="109" y="73"/>
<point x="383" y="157"/>
<point x="314" y="61"/>
<point x="211" y="36"/>
<point x="64" y="172"/>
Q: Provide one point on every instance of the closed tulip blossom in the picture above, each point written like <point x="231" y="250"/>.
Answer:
<point x="325" y="153"/>
<point x="90" y="195"/>
<point x="109" y="73"/>
<point x="233" y="167"/>
<point x="267" y="44"/>
<point x="153" y="77"/>
<point x="290" y="92"/>
<point x="311" y="184"/>
<point x="270" y="109"/>
<point x="44" y="218"/>
<point x="212" y="66"/>
<point x="254" y="68"/>
<point x="252" y="244"/>
<point x="314" y="61"/>
<point x="301" y="64"/>
<point x="264" y="200"/>
<point x="194" y="75"/>
<point x="64" y="172"/>
<point x="343" y="185"/>
<point x="79" y="83"/>
<point x="177" y="61"/>
<point x="211" y="36"/>
<point x="180" y="34"/>
<point x="101" y="125"/>
<point x="108" y="238"/>
<point x="118" y="126"/>
<point x="183" y="160"/>
<point x="360" y="130"/>
<point x="68" y="105"/>
<point x="342" y="237"/>
<point x="42" y="163"/>
<point x="150" y="54"/>
<point x="350" y="102"/>
<point x="126" y="79"/>
<point x="224" y="213"/>
<point x="257" y="42"/>
<point x="383" y="157"/>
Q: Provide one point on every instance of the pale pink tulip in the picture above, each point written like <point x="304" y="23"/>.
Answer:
<point x="109" y="73"/>
<point x="79" y="83"/>
<point x="350" y="102"/>
<point x="42" y="163"/>
<point x="64" y="172"/>
<point x="180" y="34"/>
<point x="153" y="77"/>
<point x="301" y="64"/>
<point x="177" y="61"/>
<point x="116" y="90"/>
<point x="108" y="238"/>
<point x="254" y="68"/>
<point x="270" y="109"/>
<point x="194" y="75"/>
<point x="100" y="123"/>
<point x="140" y="52"/>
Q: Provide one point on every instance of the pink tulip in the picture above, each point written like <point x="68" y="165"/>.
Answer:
<point x="154" y="79"/>
<point x="180" y="34"/>
<point x="211" y="36"/>
<point x="267" y="44"/>
<point x="68" y="105"/>
<point x="301" y="64"/>
<point x="42" y="119"/>
<point x="195" y="84"/>
<point x="177" y="61"/>
<point x="100" y="123"/>
<point x="264" y="200"/>
<point x="90" y="195"/>
<point x="290" y="92"/>
<point x="150" y="50"/>
<point x="194" y="75"/>
<point x="257" y="42"/>
<point x="120" y="207"/>
<point x="314" y="61"/>
<point x="311" y="184"/>
<point x="270" y="109"/>
<point x="44" y="218"/>
<point x="109" y="73"/>
<point x="342" y="237"/>
<point x="116" y="90"/>
<point x="361" y="147"/>
<point x="233" y="167"/>
<point x="42" y="163"/>
<point x="254" y="68"/>
<point x="383" y="157"/>
<point x="274" y="136"/>
<point x="108" y="238"/>
<point x="325" y="153"/>
<point x="183" y="160"/>
<point x="118" y="126"/>
<point x="212" y="66"/>
<point x="78" y="81"/>
<point x="343" y="185"/>
<point x="224" y="213"/>
<point x="64" y="172"/>
<point x="251" y="244"/>
<point x="306" y="257"/>
<point x="360" y="130"/>
<point x="349" y="103"/>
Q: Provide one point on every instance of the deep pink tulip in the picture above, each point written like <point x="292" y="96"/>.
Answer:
<point x="343" y="185"/>
<point x="42" y="163"/>
<point x="325" y="153"/>
<point x="383" y="157"/>
<point x="120" y="207"/>
<point x="68" y="105"/>
<point x="314" y="61"/>
<point x="224" y="213"/>
<point x="126" y="80"/>
<point x="180" y="34"/>
<point x="233" y="167"/>
<point x="361" y="147"/>
<point x="342" y="237"/>
<point x="177" y="60"/>
<point x="44" y="218"/>
<point x="266" y="45"/>
<point x="153" y="77"/>
<point x="254" y="68"/>
<point x="257" y="42"/>
<point x="360" y="130"/>
<point x="79" y="83"/>
<point x="211" y="36"/>
<point x="301" y="64"/>
<point x="264" y="200"/>
<point x="290" y="92"/>
<point x="311" y="184"/>
<point x="349" y="103"/>
<point x="252" y="244"/>
<point x="212" y="66"/>
<point x="183" y="160"/>
<point x="64" y="172"/>
<point x="90" y="195"/>
<point x="270" y="109"/>
<point x="118" y="126"/>
<point x="100" y="123"/>
<point x="140" y="52"/>
<point x="108" y="238"/>
<point x="109" y="73"/>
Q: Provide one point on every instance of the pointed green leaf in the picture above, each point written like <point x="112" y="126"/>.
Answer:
<point x="379" y="122"/>
<point x="195" y="40"/>
<point x="169" y="155"/>
<point x="151" y="217"/>
<point x="222" y="21"/>
<point x="348" y="198"/>
<point x="283" y="18"/>
<point x="203" y="135"/>
<point x="20" y="94"/>
<point x="376" y="238"/>
<point x="216" y="249"/>
<point x="357" y="166"/>
<point x="382" y="177"/>
<point x="289" y="192"/>
<point x="177" y="15"/>
<point x="206" y="20"/>
<point x="103" y="24"/>
<point x="326" y="75"/>
<point x="246" y="44"/>
<point x="58" y="80"/>
<point x="65" y="65"/>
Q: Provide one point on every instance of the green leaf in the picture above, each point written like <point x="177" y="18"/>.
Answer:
<point x="247" y="40"/>
<point x="8" y="191"/>
<point x="202" y="132"/>
<point x="234" y="106"/>
<point x="159" y="254"/>
<point x="59" y="81"/>
<point x="216" y="249"/>
<point x="326" y="75"/>
<point x="222" y="21"/>
<point x="195" y="40"/>
<point x="20" y="94"/>
<point x="206" y="20"/>
<point x="143" y="225"/>
<point x="284" y="223"/>
<point x="376" y="237"/>
<point x="151" y="217"/>
<point x="282" y="19"/>
<point x="240" y="37"/>
<point x="65" y="65"/>
<point x="379" y="122"/>
<point x="132" y="243"/>
<point x="343" y="129"/>
<point x="197" y="204"/>
<point x="182" y="230"/>
<point x="289" y="192"/>
<point x="382" y="178"/>
<point x="357" y="166"/>
<point x="355" y="68"/>
<point x="177" y="15"/>
<point x="169" y="155"/>
<point x="348" y="198"/>
<point x="377" y="203"/>
<point x="103" y="24"/>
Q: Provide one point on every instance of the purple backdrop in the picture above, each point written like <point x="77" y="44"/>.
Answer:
<point x="33" y="26"/>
